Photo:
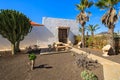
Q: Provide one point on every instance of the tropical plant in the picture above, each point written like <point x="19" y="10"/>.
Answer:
<point x="92" y="28"/>
<point x="77" y="39"/>
<point x="32" y="58"/>
<point x="87" y="75"/>
<point x="82" y="18"/>
<point x="84" y="62"/>
<point x="109" y="18"/>
<point x="90" y="42"/>
<point x="100" y="41"/>
<point x="80" y="29"/>
<point x="14" y="26"/>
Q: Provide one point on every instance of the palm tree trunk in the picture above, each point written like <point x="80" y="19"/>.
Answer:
<point x="83" y="38"/>
<point x="13" y="48"/>
<point x="111" y="39"/>
<point x="92" y="33"/>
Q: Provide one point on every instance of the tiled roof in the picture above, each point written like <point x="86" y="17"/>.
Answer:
<point x="35" y="24"/>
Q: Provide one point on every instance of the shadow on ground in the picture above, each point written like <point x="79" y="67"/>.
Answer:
<point x="43" y="66"/>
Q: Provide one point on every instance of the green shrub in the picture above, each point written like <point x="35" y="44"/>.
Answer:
<point x="87" y="75"/>
<point x="90" y="41"/>
<point x="32" y="56"/>
<point x="84" y="62"/>
<point x="77" y="39"/>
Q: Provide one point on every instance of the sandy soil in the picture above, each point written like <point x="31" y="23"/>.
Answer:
<point x="59" y="66"/>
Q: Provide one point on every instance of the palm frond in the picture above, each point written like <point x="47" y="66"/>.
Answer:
<point x="110" y="18"/>
<point x="80" y="7"/>
<point x="90" y="4"/>
<point x="92" y="28"/>
<point x="84" y="4"/>
<point x="114" y="2"/>
<point x="102" y="4"/>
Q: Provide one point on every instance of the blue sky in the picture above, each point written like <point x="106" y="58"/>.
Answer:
<point x="36" y="9"/>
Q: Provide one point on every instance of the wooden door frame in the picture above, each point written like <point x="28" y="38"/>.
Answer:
<point x="67" y="28"/>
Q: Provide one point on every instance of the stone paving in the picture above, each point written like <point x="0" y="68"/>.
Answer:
<point x="111" y="69"/>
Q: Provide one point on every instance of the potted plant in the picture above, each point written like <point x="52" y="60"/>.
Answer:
<point x="32" y="58"/>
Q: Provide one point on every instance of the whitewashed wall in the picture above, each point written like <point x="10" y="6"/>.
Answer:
<point x="52" y="25"/>
<point x="46" y="34"/>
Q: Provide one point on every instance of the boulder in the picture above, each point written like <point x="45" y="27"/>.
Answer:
<point x="79" y="44"/>
<point x="69" y="43"/>
<point x="106" y="49"/>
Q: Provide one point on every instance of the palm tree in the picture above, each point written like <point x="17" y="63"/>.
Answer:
<point x="80" y="29"/>
<point x="92" y="29"/>
<point x="109" y="18"/>
<point x="82" y="18"/>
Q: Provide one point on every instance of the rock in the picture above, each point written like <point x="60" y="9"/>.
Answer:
<point x="106" y="50"/>
<point x="80" y="45"/>
<point x="70" y="43"/>
<point x="32" y="49"/>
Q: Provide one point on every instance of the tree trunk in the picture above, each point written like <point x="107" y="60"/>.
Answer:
<point x="32" y="64"/>
<point x="83" y="38"/>
<point x="111" y="39"/>
<point x="92" y="33"/>
<point x="13" y="48"/>
<point x="17" y="48"/>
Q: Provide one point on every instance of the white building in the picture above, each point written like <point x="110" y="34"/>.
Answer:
<point x="54" y="30"/>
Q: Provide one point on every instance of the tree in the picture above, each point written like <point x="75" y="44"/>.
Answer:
<point x="92" y="28"/>
<point x="109" y="18"/>
<point x="14" y="26"/>
<point x="82" y="18"/>
<point x="80" y="30"/>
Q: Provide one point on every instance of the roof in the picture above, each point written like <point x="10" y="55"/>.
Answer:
<point x="35" y="24"/>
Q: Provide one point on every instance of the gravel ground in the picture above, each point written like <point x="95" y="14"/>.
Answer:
<point x="59" y="66"/>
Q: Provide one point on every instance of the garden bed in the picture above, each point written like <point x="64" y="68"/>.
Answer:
<point x="59" y="66"/>
<point x="114" y="58"/>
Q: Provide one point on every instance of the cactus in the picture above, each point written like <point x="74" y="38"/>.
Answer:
<point x="14" y="26"/>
